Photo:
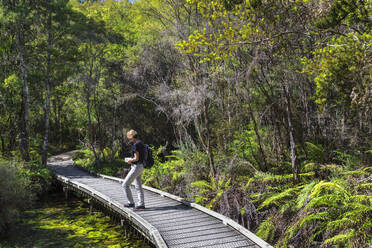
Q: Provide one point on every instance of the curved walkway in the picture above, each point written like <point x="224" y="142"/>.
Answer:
<point x="167" y="221"/>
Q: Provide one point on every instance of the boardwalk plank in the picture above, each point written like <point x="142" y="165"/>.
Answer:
<point x="205" y="233"/>
<point x="208" y="241"/>
<point x="170" y="226"/>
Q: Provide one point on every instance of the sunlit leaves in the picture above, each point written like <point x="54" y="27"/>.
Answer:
<point x="342" y="72"/>
<point x="226" y="29"/>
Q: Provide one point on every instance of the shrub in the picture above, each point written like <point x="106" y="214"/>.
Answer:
<point x="14" y="192"/>
<point x="109" y="162"/>
<point x="20" y="184"/>
<point x="168" y="175"/>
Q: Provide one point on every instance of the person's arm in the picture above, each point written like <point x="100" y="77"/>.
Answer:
<point x="135" y="159"/>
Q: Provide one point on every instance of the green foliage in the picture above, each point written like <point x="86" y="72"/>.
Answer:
<point x="316" y="153"/>
<point x="114" y="64"/>
<point x="84" y="158"/>
<point x="279" y="199"/>
<point x="339" y="214"/>
<point x="266" y="230"/>
<point x="210" y="192"/>
<point x="168" y="175"/>
<point x="245" y="146"/>
<point x="350" y="12"/>
<point x="346" y="159"/>
<point x="304" y="195"/>
<point x="19" y="185"/>
<point x="14" y="195"/>
<point x="334" y="87"/>
<point x="109" y="162"/>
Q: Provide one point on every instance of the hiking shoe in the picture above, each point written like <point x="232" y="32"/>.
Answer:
<point x="140" y="207"/>
<point x="129" y="205"/>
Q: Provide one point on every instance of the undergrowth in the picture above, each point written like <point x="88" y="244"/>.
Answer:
<point x="330" y="205"/>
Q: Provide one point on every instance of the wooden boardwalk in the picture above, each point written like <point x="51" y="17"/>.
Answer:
<point x="167" y="221"/>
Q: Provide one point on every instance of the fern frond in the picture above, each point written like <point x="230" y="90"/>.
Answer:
<point x="365" y="199"/>
<point x="327" y="186"/>
<point x="358" y="212"/>
<point x="310" y="167"/>
<point x="202" y="184"/>
<point x="316" y="152"/>
<point x="339" y="223"/>
<point x="266" y="230"/>
<point x="355" y="173"/>
<point x="314" y="217"/>
<point x="341" y="239"/>
<point x="277" y="198"/>
<point x="286" y="206"/>
<point x="367" y="186"/>
<point x="304" y="194"/>
<point x="321" y="228"/>
<point x="248" y="184"/>
<point x="327" y="200"/>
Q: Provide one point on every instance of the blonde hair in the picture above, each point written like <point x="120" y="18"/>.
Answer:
<point x="132" y="134"/>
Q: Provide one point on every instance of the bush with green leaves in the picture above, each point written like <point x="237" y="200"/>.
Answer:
<point x="245" y="146"/>
<point x="168" y="175"/>
<point x="14" y="192"/>
<point x="209" y="192"/>
<point x="109" y="162"/>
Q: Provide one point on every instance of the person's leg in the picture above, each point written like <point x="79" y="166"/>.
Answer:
<point x="127" y="182"/>
<point x="138" y="185"/>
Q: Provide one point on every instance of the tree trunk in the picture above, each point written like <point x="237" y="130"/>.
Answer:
<point x="208" y="143"/>
<point x="47" y="96"/>
<point x="90" y="126"/>
<point x="46" y="134"/>
<point x="91" y="132"/>
<point x="2" y="144"/>
<point x="258" y="136"/>
<point x="291" y="137"/>
<point x="25" y="132"/>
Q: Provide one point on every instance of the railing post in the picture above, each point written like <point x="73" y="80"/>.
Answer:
<point x="90" y="202"/>
<point x="66" y="191"/>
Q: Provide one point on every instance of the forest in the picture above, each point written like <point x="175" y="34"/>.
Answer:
<point x="260" y="110"/>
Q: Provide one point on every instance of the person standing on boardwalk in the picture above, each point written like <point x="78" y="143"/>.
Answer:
<point x="135" y="173"/>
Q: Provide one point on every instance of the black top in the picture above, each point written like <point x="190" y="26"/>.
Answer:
<point x="140" y="148"/>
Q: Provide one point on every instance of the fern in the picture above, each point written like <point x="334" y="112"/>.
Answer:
<point x="209" y="193"/>
<point x="326" y="186"/>
<point x="316" y="152"/>
<point x="266" y="230"/>
<point x="167" y="175"/>
<point x="305" y="192"/>
<point x="339" y="224"/>
<point x="341" y="239"/>
<point x="279" y="198"/>
<point x="339" y="215"/>
<point x="248" y="184"/>
<point x="314" y="217"/>
<point x="367" y="186"/>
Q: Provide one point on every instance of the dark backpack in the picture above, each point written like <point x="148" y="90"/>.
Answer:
<point x="148" y="160"/>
